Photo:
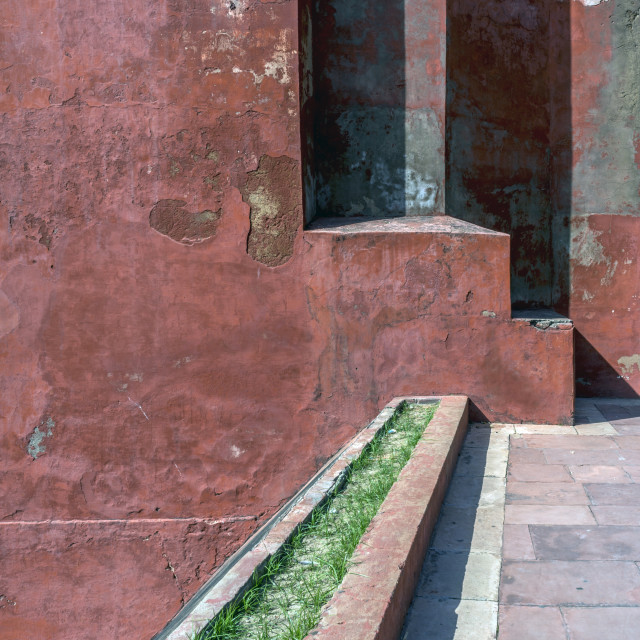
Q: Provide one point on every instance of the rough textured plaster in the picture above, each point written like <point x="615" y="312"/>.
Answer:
<point x="170" y="218"/>
<point x="605" y="196"/>
<point x="272" y="192"/>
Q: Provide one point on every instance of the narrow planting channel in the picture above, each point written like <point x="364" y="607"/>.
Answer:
<point x="286" y="598"/>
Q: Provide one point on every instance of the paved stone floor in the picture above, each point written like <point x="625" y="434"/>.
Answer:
<point x="539" y="534"/>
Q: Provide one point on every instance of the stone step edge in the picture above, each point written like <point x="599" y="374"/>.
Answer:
<point x="234" y="577"/>
<point x="373" y="599"/>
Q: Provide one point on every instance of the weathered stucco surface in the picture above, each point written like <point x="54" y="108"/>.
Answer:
<point x="179" y="355"/>
<point x="131" y="311"/>
<point x="605" y="196"/>
<point x="378" y="111"/>
<point x="542" y="135"/>
<point x="498" y="127"/>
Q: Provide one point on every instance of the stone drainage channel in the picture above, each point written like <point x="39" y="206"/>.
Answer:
<point x="372" y="602"/>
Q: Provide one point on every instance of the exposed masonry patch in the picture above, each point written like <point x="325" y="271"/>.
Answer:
<point x="36" y="441"/>
<point x="170" y="218"/>
<point x="542" y="319"/>
<point x="273" y="195"/>
<point x="551" y="324"/>
<point x="628" y="362"/>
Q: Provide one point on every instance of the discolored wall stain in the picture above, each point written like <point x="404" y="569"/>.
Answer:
<point x="9" y="315"/>
<point x="379" y="97"/>
<point x="172" y="219"/>
<point x="498" y="131"/>
<point x="273" y="193"/>
<point x="44" y="430"/>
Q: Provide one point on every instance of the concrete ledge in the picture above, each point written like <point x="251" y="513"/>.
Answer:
<point x="374" y="596"/>
<point x="415" y="498"/>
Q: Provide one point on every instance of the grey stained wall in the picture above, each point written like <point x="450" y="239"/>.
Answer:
<point x="378" y="125"/>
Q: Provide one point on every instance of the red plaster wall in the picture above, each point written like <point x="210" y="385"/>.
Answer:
<point x="605" y="197"/>
<point x="178" y="357"/>
<point x="542" y="143"/>
<point x="498" y="126"/>
<point x="139" y="340"/>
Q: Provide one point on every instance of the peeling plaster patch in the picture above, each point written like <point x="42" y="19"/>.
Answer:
<point x="586" y="250"/>
<point x="628" y="362"/>
<point x="170" y="218"/>
<point x="608" y="276"/>
<point x="9" y="315"/>
<point x="590" y="3"/>
<point x="278" y="66"/>
<point x="273" y="195"/>
<point x="489" y="314"/>
<point x="186" y="360"/>
<point x="421" y="190"/>
<point x="43" y="430"/>
<point x="236" y="451"/>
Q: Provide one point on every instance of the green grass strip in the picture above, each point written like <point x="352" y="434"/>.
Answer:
<point x="285" y="600"/>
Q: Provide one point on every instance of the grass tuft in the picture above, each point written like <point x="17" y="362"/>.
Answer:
<point x="286" y="598"/>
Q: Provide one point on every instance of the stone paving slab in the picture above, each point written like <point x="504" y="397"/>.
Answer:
<point x="599" y="473"/>
<point x="619" y="515"/>
<point x="627" y="442"/>
<point x="544" y="429"/>
<point x="477" y="491"/>
<point x="482" y="436"/>
<point x="572" y="442"/>
<point x="468" y="575"/>
<point x="626" y="427"/>
<point x="570" y="552"/>
<point x="457" y="594"/>
<point x="617" y="623"/>
<point x="462" y="528"/>
<point x="516" y="543"/>
<point x="570" y="583"/>
<point x="531" y="623"/>
<point x="633" y="471"/>
<point x="451" y="619"/>
<point x="586" y="543"/>
<point x="527" y="456"/>
<point x="616" y="494"/>
<point x="571" y="572"/>
<point x="577" y="457"/>
<point x="551" y="493"/>
<point x="493" y="464"/>
<point x="617" y="410"/>
<point x="547" y="514"/>
<point x="536" y="472"/>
